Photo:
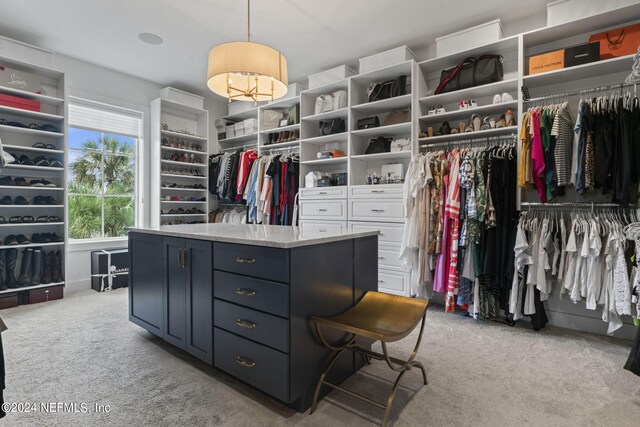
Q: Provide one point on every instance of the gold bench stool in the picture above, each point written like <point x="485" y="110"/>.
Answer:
<point x="381" y="317"/>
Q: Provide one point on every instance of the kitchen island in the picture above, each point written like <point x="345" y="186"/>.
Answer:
<point x="239" y="297"/>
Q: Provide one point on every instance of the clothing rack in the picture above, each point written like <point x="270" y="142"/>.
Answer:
<point x="576" y="205"/>
<point x="580" y="92"/>
<point x="236" y="148"/>
<point x="277" y="149"/>
<point x="487" y="141"/>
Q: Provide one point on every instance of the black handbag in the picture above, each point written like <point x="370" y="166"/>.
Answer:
<point x="332" y="126"/>
<point x="471" y="72"/>
<point x="388" y="89"/>
<point x="379" y="145"/>
<point x="368" y="122"/>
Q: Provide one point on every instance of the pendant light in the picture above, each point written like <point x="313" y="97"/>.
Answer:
<point x="247" y="71"/>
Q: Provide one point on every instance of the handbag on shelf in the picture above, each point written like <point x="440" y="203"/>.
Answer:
<point x="380" y="144"/>
<point x="330" y="101"/>
<point x="368" y="122"/>
<point x="397" y="117"/>
<point x="471" y="72"/>
<point x="388" y="89"/>
<point x="400" y="145"/>
<point x="618" y="42"/>
<point x="331" y="127"/>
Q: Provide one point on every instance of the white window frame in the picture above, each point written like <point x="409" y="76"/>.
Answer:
<point x="102" y="242"/>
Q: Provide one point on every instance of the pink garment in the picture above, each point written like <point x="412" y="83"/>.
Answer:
<point x="441" y="277"/>
<point x="537" y="156"/>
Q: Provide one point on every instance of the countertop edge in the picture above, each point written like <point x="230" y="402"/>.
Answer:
<point x="268" y="244"/>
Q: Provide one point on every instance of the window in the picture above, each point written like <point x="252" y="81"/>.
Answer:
<point x="103" y="143"/>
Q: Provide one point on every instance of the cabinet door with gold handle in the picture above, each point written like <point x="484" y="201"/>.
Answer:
<point x="246" y="292"/>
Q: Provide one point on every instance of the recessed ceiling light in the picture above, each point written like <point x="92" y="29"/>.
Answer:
<point x="150" y="38"/>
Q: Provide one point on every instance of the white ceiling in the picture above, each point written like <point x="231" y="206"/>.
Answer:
<point x="313" y="34"/>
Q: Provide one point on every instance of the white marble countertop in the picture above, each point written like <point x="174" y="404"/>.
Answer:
<point x="275" y="236"/>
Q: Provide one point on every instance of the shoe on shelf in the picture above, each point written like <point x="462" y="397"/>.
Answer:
<point x="473" y="103"/>
<point x="20" y="201"/>
<point x="24" y="279"/>
<point x="506" y="97"/>
<point x="36" y="267"/>
<point x="502" y="122"/>
<point x="6" y="200"/>
<point x="445" y="129"/>
<point x="477" y="122"/>
<point x="462" y="127"/>
<point x="22" y="239"/>
<point x="7" y="181"/>
<point x="490" y="121"/>
<point x="440" y="110"/>
<point x="508" y="116"/>
<point x="463" y="105"/>
<point x="497" y="98"/>
<point x="56" y="269"/>
<point x="55" y="163"/>
<point x="10" y="240"/>
<point x="432" y="111"/>
<point x="47" y="267"/>
<point x="20" y="182"/>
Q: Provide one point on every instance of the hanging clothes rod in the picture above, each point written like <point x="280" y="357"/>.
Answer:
<point x="487" y="140"/>
<point x="591" y="205"/>
<point x="290" y="148"/>
<point x="580" y="92"/>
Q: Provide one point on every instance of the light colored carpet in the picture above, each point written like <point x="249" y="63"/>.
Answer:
<point x="84" y="349"/>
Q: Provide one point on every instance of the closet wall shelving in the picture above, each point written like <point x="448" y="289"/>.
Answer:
<point x="20" y="141"/>
<point x="168" y="149"/>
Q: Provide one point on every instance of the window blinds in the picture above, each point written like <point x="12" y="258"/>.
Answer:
<point x="104" y="118"/>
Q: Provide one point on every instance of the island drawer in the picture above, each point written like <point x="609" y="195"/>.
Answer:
<point x="260" y="294"/>
<point x="257" y="326"/>
<point x="255" y="364"/>
<point x="256" y="261"/>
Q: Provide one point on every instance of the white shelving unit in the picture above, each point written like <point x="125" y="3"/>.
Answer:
<point x="178" y="159"/>
<point x="20" y="141"/>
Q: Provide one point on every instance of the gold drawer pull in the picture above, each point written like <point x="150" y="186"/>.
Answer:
<point x="248" y="363"/>
<point x="246" y="324"/>
<point x="245" y="260"/>
<point x="245" y="292"/>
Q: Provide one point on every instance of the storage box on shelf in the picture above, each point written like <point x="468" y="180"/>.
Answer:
<point x="32" y="188"/>
<point x="179" y="163"/>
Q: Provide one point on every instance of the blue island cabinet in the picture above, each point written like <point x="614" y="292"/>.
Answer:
<point x="245" y="308"/>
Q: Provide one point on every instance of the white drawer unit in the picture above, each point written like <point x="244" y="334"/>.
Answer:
<point x="323" y="193"/>
<point x="390" y="234"/>
<point x="389" y="257"/>
<point x="392" y="191"/>
<point x="376" y="210"/>
<point x="394" y="282"/>
<point x="323" y="209"/>
<point x="321" y="228"/>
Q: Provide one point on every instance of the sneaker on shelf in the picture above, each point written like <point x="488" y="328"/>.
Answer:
<point x="497" y="98"/>
<point x="431" y="112"/>
<point x="473" y="103"/>
<point x="506" y="97"/>
<point x="440" y="109"/>
<point x="7" y="181"/>
<point x="463" y="105"/>
<point x="20" y="182"/>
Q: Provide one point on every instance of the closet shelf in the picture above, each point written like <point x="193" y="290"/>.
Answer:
<point x="335" y="114"/>
<point x="31" y="224"/>
<point x="466" y="113"/>
<point x="31" y="245"/>
<point x="31" y="149"/>
<point x="333" y="160"/>
<point x="390" y="130"/>
<point x="29" y="131"/>
<point x="34" y="168"/>
<point x="469" y="135"/>
<point x="173" y="162"/>
<point x="183" y="189"/>
<point x="183" y="135"/>
<point x="281" y="129"/>
<point x="579" y="72"/>
<point x="248" y="114"/>
<point x="173" y="175"/>
<point x="488" y="90"/>
<point x="280" y="145"/>
<point x="183" y="150"/>
<point x="385" y="105"/>
<point x="17" y="187"/>
<point x="397" y="155"/>
<point x="325" y="139"/>
<point x="203" y="214"/>
<point x="30" y="114"/>
<point x="238" y="139"/>
<point x="182" y="201"/>
<point x="28" y="288"/>
<point x="281" y="103"/>
<point x="45" y="99"/>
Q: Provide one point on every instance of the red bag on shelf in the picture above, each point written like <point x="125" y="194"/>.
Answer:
<point x="618" y="42"/>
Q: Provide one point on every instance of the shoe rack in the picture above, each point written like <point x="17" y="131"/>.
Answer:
<point x="33" y="189"/>
<point x="179" y="163"/>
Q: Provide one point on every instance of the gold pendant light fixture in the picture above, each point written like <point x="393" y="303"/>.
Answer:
<point x="247" y="71"/>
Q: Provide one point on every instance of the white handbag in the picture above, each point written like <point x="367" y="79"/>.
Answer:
<point x="331" y="101"/>
<point x="401" y="145"/>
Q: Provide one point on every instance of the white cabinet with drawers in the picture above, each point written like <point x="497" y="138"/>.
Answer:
<point x="321" y="228"/>
<point x="323" y="210"/>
